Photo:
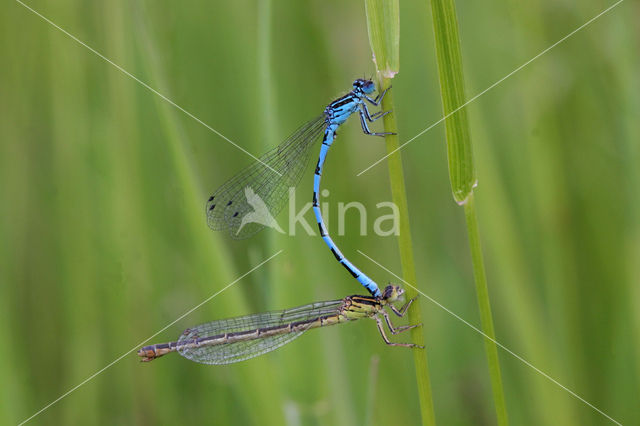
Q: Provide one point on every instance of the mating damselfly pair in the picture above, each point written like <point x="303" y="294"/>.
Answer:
<point x="246" y="204"/>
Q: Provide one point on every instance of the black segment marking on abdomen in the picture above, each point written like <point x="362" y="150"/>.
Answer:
<point x="351" y="271"/>
<point x="335" y="253"/>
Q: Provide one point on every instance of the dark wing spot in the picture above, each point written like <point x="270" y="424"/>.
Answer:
<point x="211" y="198"/>
<point x="235" y="214"/>
<point x="212" y="207"/>
<point x="229" y="203"/>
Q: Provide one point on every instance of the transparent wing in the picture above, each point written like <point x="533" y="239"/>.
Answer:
<point x="250" y="200"/>
<point x="227" y="353"/>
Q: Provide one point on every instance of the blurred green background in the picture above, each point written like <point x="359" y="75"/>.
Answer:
<point x="104" y="239"/>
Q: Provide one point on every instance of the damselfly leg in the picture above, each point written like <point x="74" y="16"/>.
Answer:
<point x="403" y="309"/>
<point x="390" y="343"/>
<point x="396" y="330"/>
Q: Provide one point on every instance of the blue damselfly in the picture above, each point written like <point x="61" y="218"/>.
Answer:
<point x="248" y="202"/>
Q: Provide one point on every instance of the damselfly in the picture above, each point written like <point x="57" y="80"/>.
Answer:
<point x="231" y="340"/>
<point x="249" y="201"/>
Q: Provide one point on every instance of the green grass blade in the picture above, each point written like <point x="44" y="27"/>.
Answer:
<point x="383" y="24"/>
<point x="384" y="34"/>
<point x="462" y="173"/>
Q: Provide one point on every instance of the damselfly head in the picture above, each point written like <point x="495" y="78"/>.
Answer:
<point x="392" y="293"/>
<point x="365" y="86"/>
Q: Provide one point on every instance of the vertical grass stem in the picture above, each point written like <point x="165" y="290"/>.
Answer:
<point x="462" y="172"/>
<point x="383" y="24"/>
